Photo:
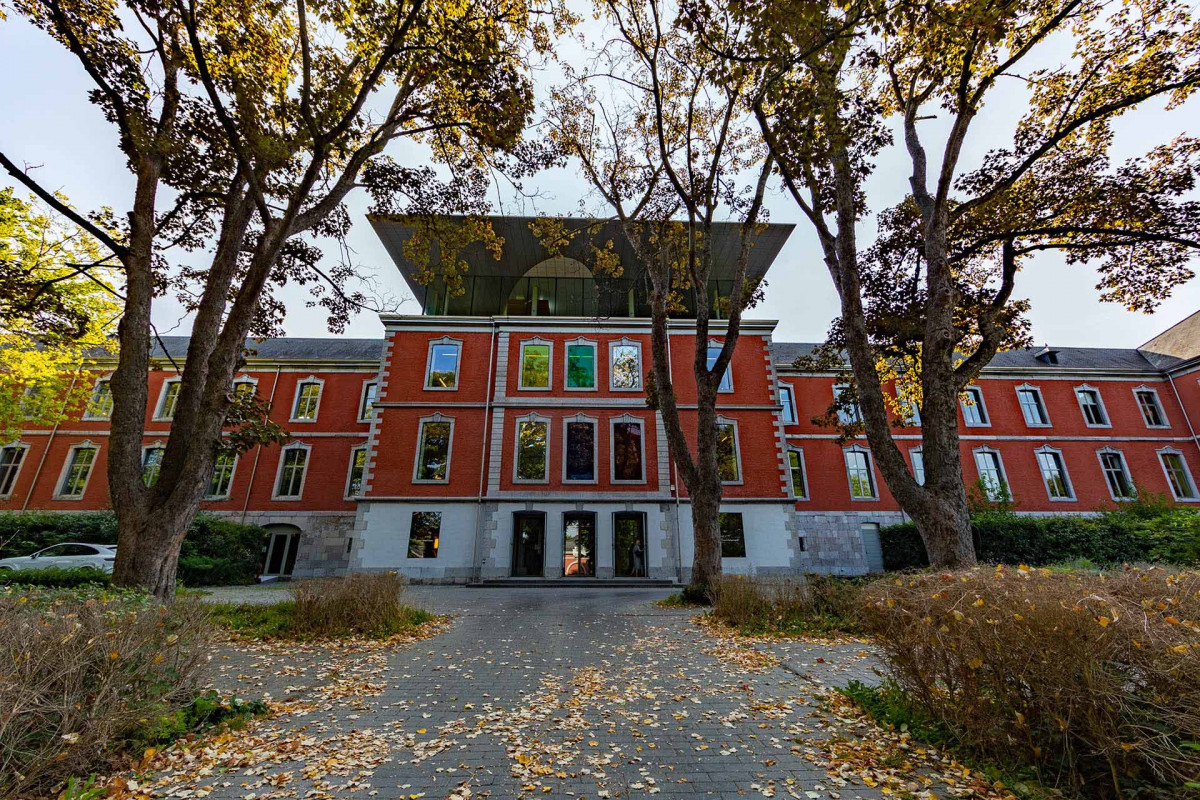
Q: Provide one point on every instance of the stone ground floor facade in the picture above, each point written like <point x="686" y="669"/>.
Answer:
<point x="585" y="539"/>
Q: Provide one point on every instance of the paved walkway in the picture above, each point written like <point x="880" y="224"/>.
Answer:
<point x="541" y="693"/>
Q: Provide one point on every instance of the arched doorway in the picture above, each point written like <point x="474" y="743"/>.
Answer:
<point x="279" y="550"/>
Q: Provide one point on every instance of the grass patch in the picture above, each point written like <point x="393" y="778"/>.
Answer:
<point x="278" y="621"/>
<point x="678" y="600"/>
<point x="54" y="577"/>
<point x="814" y="606"/>
<point x="890" y="707"/>
<point x="372" y="606"/>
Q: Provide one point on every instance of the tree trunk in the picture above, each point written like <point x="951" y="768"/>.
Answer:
<point x="941" y="524"/>
<point x="148" y="553"/>
<point x="706" y="534"/>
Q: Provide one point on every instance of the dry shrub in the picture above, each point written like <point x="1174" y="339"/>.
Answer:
<point x="370" y="604"/>
<point x="1094" y="679"/>
<point x="815" y="603"/>
<point x="83" y="673"/>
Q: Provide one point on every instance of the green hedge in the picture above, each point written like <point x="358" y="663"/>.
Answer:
<point x="54" y="577"/>
<point x="1169" y="535"/>
<point x="216" y="552"/>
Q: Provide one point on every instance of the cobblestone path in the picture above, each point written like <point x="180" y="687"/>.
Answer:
<point x="546" y="693"/>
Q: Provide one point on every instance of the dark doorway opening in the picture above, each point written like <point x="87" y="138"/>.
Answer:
<point x="579" y="545"/>
<point x="629" y="544"/>
<point x="280" y="548"/>
<point x="529" y="544"/>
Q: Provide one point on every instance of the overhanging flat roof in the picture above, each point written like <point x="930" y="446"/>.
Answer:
<point x="522" y="249"/>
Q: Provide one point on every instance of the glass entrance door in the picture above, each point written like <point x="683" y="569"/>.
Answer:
<point x="629" y="544"/>
<point x="529" y="544"/>
<point x="579" y="545"/>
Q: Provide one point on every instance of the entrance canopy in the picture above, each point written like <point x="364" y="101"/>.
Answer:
<point x="527" y="280"/>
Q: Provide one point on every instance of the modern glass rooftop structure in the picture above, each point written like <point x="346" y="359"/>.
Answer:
<point x="527" y="280"/>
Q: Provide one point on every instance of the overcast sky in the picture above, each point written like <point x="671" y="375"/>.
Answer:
<point x="46" y="119"/>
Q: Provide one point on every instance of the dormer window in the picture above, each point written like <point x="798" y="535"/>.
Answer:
<point x="1047" y="356"/>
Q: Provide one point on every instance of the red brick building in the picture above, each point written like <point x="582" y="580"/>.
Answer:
<point x="504" y="432"/>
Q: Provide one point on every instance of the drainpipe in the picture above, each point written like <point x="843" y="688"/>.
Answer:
<point x="258" y="449"/>
<point x="674" y="475"/>
<point x="483" y="452"/>
<point x="1183" y="409"/>
<point x="49" y="441"/>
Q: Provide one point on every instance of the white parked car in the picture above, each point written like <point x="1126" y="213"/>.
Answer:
<point x="66" y="555"/>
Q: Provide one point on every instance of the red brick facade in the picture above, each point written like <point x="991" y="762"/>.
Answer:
<point x="487" y="402"/>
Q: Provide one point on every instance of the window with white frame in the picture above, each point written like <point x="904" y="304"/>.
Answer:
<point x="910" y="412"/>
<point x="579" y="449"/>
<point x="918" y="464"/>
<point x="847" y="413"/>
<point x="974" y="411"/>
<point x="358" y="467"/>
<point x="31" y="403"/>
<point x="441" y="369"/>
<point x="12" y="456"/>
<point x="535" y="365"/>
<point x="77" y="470"/>
<point x="628" y="449"/>
<point x="308" y="400"/>
<point x="714" y="352"/>
<point x="625" y="366"/>
<point x="580" y="366"/>
<point x="1151" y="408"/>
<point x="100" y="404"/>
<point x="152" y="457"/>
<point x="167" y="400"/>
<point x="366" y="405"/>
<point x="532" y="450"/>
<point x="729" y="462"/>
<point x="293" y="466"/>
<point x="245" y="389"/>
<point x="1116" y="474"/>
<point x="1032" y="407"/>
<point x="860" y="473"/>
<point x="799" y="477"/>
<point x="1092" y="406"/>
<point x="787" y="399"/>
<point x="1054" y="473"/>
<point x="991" y="474"/>
<point x="1179" y="477"/>
<point x="434" y="443"/>
<point x="221" y="481"/>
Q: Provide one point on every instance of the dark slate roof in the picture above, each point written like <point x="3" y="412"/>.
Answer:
<point x="288" y="349"/>
<point x="1069" y="358"/>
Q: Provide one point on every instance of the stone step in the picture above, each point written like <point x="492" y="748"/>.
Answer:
<point x="575" y="583"/>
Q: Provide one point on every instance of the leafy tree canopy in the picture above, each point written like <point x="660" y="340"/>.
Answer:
<point x="58" y="302"/>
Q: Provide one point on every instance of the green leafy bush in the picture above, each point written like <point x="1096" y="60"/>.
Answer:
<point x="216" y="552"/>
<point x="54" y="577"/>
<point x="204" y="711"/>
<point x="1147" y="531"/>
